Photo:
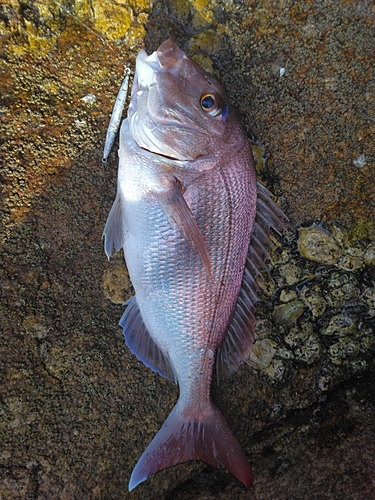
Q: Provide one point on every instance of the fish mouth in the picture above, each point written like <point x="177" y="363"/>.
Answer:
<point x="165" y="58"/>
<point x="169" y="53"/>
<point x="151" y="121"/>
<point x="169" y="158"/>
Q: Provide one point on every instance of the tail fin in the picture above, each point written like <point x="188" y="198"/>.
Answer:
<point x="186" y="437"/>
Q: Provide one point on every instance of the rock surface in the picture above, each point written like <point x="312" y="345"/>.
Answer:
<point x="77" y="409"/>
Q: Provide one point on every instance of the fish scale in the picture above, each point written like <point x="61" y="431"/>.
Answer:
<point x="184" y="214"/>
<point x="218" y="239"/>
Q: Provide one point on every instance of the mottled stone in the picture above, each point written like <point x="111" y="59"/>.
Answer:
<point x="340" y="325"/>
<point x="346" y="347"/>
<point x="286" y="314"/>
<point x="276" y="371"/>
<point x="287" y="296"/>
<point x="343" y="288"/>
<point x="315" y="243"/>
<point x="298" y="335"/>
<point x="262" y="354"/>
<point x="350" y="262"/>
<point x="369" y="257"/>
<point x="267" y="284"/>
<point x="310" y="351"/>
<point x="314" y="299"/>
<point x="116" y="281"/>
<point x="369" y="296"/>
<point x="291" y="273"/>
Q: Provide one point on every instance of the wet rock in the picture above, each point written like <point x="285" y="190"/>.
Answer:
<point x="314" y="299"/>
<point x="291" y="273"/>
<point x="343" y="289"/>
<point x="369" y="257"/>
<point x="369" y="297"/>
<point x="350" y="262"/>
<point x="276" y="371"/>
<point x="287" y="296"/>
<point x="36" y="326"/>
<point x="297" y="335"/>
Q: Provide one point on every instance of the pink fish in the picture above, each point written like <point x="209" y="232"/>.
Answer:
<point x="187" y="205"/>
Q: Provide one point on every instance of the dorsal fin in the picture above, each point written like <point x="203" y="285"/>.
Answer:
<point x="239" y="338"/>
<point x="141" y="343"/>
<point x="268" y="213"/>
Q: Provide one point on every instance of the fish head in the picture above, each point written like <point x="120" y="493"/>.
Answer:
<point x="177" y="109"/>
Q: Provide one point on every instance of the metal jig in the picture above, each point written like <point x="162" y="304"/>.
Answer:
<point x="116" y="115"/>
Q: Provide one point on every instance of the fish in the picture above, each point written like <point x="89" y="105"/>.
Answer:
<point x="194" y="224"/>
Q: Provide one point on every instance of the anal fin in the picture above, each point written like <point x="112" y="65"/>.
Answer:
<point x="141" y="343"/>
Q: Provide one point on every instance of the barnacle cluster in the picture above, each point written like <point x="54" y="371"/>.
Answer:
<point x="318" y="307"/>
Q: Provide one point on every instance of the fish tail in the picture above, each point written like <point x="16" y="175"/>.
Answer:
<point x="184" y="437"/>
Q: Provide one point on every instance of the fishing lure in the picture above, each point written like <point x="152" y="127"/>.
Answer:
<point x="116" y="115"/>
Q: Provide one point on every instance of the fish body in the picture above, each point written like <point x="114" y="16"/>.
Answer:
<point x="185" y="210"/>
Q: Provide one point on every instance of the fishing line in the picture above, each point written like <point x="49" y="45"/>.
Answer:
<point x="122" y="95"/>
<point x="121" y="98"/>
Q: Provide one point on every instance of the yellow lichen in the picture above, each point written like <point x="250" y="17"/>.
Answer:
<point x="142" y="18"/>
<point x="208" y="42"/>
<point x="36" y="42"/>
<point x="200" y="4"/>
<point x="362" y="229"/>
<point x="138" y="5"/>
<point x="135" y="36"/>
<point x="203" y="19"/>
<point x="205" y="62"/>
<point x="258" y="155"/>
<point x="203" y="14"/>
<point x="111" y="19"/>
<point x="181" y="8"/>
<point x="50" y="86"/>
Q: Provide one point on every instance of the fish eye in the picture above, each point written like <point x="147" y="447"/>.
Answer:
<point x="212" y="103"/>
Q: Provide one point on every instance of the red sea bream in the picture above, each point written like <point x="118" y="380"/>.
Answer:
<point x="187" y="206"/>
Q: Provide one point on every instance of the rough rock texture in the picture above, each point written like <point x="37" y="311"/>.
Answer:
<point x="77" y="409"/>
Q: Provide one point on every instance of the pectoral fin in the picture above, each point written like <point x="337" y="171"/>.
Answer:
<point x="181" y="217"/>
<point x="114" y="234"/>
